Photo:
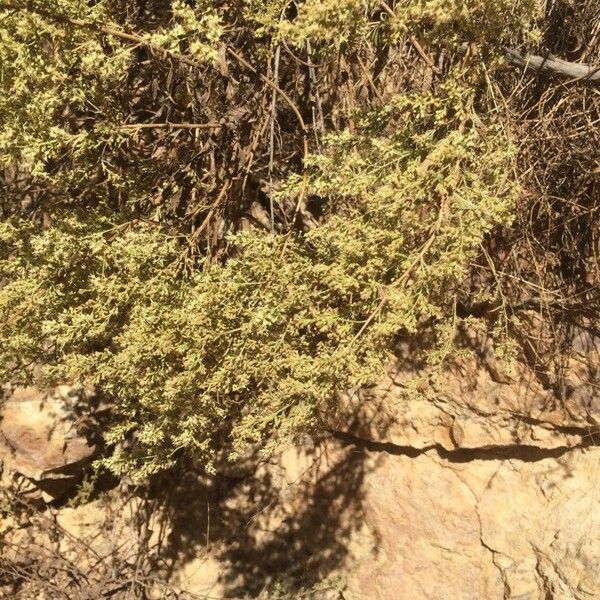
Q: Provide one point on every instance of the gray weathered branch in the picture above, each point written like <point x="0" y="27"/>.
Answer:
<point x="551" y="64"/>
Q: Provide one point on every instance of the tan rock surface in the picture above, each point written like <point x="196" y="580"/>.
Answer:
<point x="482" y="529"/>
<point x="467" y="408"/>
<point x="481" y="490"/>
<point x="40" y="439"/>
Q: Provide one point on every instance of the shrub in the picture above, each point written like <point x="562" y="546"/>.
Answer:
<point x="255" y="349"/>
<point x="111" y="279"/>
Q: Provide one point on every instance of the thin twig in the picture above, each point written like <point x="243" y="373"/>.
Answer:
<point x="272" y="134"/>
<point x="413" y="40"/>
<point x="387" y="9"/>
<point x="135" y="126"/>
<point x="132" y="38"/>
<point x="306" y="63"/>
<point x="369" y="79"/>
<point x="275" y="87"/>
<point x="211" y="211"/>
<point x="318" y="119"/>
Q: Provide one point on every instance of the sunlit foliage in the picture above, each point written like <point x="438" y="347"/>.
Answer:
<point x="209" y="358"/>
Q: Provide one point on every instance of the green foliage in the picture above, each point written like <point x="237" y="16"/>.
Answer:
<point x="256" y="349"/>
<point x="448" y="22"/>
<point x="266" y="14"/>
<point x="48" y="67"/>
<point x="206" y="358"/>
<point x="412" y="193"/>
<point x="68" y="84"/>
<point x="198" y="27"/>
<point x="330" y="21"/>
<point x="444" y="22"/>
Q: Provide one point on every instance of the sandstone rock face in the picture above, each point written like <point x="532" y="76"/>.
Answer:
<point x="390" y="523"/>
<point x="371" y="523"/>
<point x="481" y="529"/>
<point x="471" y="410"/>
<point x="487" y="486"/>
<point x="41" y="437"/>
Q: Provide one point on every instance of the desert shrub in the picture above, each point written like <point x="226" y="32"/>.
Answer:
<point x="129" y="256"/>
<point x="48" y="73"/>
<point x="68" y="85"/>
<point x="449" y="22"/>
<point x="256" y="348"/>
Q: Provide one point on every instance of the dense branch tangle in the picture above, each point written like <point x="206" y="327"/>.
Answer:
<point x="158" y="130"/>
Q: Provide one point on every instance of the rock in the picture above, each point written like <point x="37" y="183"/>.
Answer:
<point x="40" y="437"/>
<point x="477" y="486"/>
<point x="482" y="529"/>
<point x="360" y="521"/>
<point x="398" y="523"/>
<point x="481" y="487"/>
<point x="467" y="408"/>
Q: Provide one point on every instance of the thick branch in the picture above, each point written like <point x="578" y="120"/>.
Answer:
<point x="553" y="65"/>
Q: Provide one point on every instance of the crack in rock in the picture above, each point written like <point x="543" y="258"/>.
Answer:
<point x="545" y="584"/>
<point x="503" y="576"/>
<point x="520" y="452"/>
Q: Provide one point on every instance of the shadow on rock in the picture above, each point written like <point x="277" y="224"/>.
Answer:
<point x="287" y="523"/>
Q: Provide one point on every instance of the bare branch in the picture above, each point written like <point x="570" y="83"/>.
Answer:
<point x="551" y="64"/>
<point x="135" y="126"/>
